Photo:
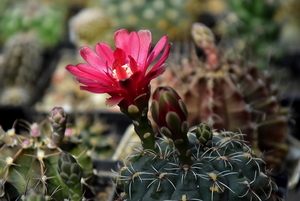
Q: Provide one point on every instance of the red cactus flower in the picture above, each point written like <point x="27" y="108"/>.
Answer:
<point x="123" y="73"/>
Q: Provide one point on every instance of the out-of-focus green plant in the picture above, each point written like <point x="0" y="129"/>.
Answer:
<point x="46" y="19"/>
<point x="252" y="27"/>
<point x="162" y="17"/>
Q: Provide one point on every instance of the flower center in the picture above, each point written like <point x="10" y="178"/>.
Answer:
<point x="122" y="72"/>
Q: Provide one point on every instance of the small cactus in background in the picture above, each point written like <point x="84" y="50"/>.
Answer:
<point x="230" y="94"/>
<point x="85" y="28"/>
<point x="252" y="26"/>
<point x="44" y="19"/>
<point x="20" y="69"/>
<point x="37" y="163"/>
<point x="163" y="17"/>
<point x="95" y="134"/>
<point x="196" y="164"/>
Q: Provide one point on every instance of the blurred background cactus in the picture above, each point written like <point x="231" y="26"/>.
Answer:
<point x="38" y="159"/>
<point x="163" y="17"/>
<point x="98" y="135"/>
<point x="45" y="19"/>
<point x="85" y="28"/>
<point x="30" y="32"/>
<point x="19" y="71"/>
<point x="223" y="89"/>
<point x="253" y="28"/>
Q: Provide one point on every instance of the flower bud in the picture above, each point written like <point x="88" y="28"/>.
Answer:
<point x="169" y="112"/>
<point x="58" y="120"/>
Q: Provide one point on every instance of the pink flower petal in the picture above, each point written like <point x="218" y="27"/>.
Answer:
<point x="133" y="65"/>
<point x="157" y="49"/>
<point x="145" y="45"/>
<point x="120" y="55"/>
<point x="105" y="52"/>
<point x="92" y="83"/>
<point x="112" y="101"/>
<point x="163" y="57"/>
<point x="91" y="70"/>
<point x="121" y="39"/>
<point x="99" y="89"/>
<point x="77" y="72"/>
<point x="133" y="45"/>
<point x="153" y="74"/>
<point x="91" y="57"/>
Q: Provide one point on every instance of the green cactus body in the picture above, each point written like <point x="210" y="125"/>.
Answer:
<point x="169" y="17"/>
<point x="19" y="70"/>
<point x="31" y="161"/>
<point x="223" y="168"/>
<point x="230" y="94"/>
<point x="44" y="19"/>
<point x="255" y="28"/>
<point x="86" y="29"/>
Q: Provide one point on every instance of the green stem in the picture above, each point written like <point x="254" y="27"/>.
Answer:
<point x="184" y="152"/>
<point x="144" y="130"/>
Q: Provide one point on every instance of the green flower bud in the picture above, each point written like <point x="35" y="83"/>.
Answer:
<point x="58" y="120"/>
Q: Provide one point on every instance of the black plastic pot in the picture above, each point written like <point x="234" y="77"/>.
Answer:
<point x="103" y="184"/>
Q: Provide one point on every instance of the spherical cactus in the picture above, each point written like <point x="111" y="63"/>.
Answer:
<point x="32" y="161"/>
<point x="195" y="164"/>
<point x="223" y="167"/>
<point x="85" y="28"/>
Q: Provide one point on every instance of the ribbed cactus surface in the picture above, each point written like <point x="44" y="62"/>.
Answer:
<point x="223" y="168"/>
<point x="20" y="68"/>
<point x="37" y="164"/>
